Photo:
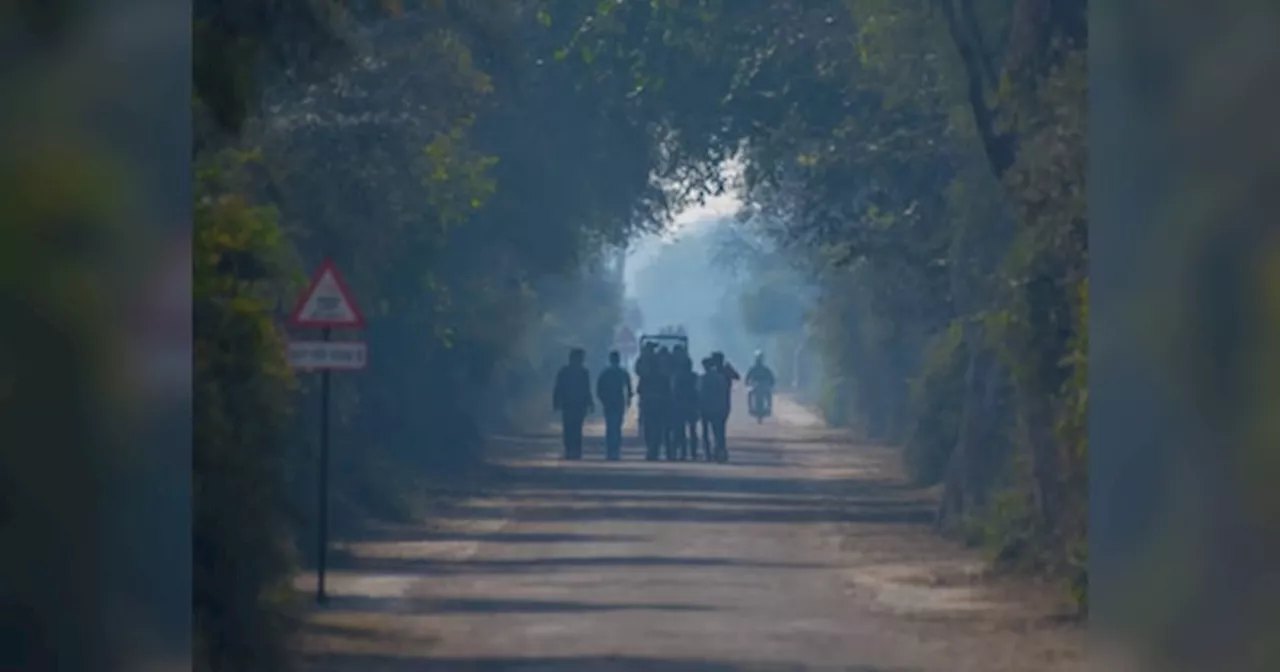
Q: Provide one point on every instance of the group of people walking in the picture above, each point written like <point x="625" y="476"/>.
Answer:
<point x="680" y="409"/>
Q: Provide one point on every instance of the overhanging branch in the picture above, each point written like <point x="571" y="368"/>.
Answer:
<point x="999" y="147"/>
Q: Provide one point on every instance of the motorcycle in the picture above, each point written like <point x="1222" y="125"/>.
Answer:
<point x="760" y="402"/>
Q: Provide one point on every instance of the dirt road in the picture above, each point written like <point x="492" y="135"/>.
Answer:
<point x="807" y="552"/>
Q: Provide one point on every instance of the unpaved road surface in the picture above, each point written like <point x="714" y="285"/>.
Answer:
<point x="807" y="552"/>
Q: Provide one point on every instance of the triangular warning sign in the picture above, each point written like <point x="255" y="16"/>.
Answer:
<point x="327" y="302"/>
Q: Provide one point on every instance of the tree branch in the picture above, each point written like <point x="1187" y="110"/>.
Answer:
<point x="999" y="147"/>
<point x="983" y="56"/>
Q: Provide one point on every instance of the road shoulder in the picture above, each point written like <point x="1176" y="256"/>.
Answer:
<point x="917" y="580"/>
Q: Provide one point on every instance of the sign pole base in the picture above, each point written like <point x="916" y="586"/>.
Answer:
<point x="323" y="513"/>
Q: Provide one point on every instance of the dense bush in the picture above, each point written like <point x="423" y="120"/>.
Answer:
<point x="242" y="538"/>
<point x="936" y="401"/>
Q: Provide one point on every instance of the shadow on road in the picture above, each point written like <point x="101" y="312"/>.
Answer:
<point x="596" y="491"/>
<point x="675" y="477"/>
<point x="530" y="537"/>
<point x="540" y="559"/>
<point x="362" y="663"/>
<point x="773" y="442"/>
<point x="417" y="534"/>
<point x="421" y="606"/>
<point x="682" y="499"/>
<point x="826" y="512"/>
<point x="429" y="566"/>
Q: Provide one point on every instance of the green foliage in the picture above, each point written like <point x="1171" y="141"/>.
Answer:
<point x="240" y="534"/>
<point x="770" y="305"/>
<point x="239" y="42"/>
<point x="422" y="172"/>
<point x="1073" y="433"/>
<point x="870" y="152"/>
<point x="458" y="181"/>
<point x="937" y="397"/>
<point x="834" y="401"/>
<point x="1011" y="531"/>
<point x="474" y="176"/>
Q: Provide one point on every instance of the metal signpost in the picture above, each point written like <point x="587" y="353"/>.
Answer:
<point x="326" y="305"/>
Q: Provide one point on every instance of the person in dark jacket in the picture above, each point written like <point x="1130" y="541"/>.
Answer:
<point x="572" y="399"/>
<point x="655" y="402"/>
<point x="703" y="416"/>
<point x="681" y="353"/>
<point x="613" y="389"/>
<point x="724" y="365"/>
<point x="715" y="392"/>
<point x="643" y="366"/>
<point x="685" y="406"/>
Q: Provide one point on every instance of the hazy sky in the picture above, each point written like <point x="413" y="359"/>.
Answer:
<point x="716" y="208"/>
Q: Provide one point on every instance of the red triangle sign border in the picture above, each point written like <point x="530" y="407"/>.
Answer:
<point x="327" y="267"/>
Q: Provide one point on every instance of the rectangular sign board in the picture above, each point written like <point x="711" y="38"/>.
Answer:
<point x="336" y="355"/>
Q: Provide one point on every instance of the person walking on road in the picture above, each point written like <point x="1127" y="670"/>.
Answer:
<point x="683" y="360"/>
<point x="644" y="367"/>
<point x="572" y="399"/>
<point x="685" y="409"/>
<point x="703" y="416"/>
<point x="671" y="422"/>
<point x="715" y="394"/>
<point x="655" y="403"/>
<point x="613" y="389"/>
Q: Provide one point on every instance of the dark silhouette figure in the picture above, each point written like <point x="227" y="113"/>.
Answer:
<point x="643" y="367"/>
<point x="613" y="389"/>
<point x="716" y="390"/>
<point x="655" y="402"/>
<point x="703" y="416"/>
<point x="682" y="359"/>
<point x="668" y="360"/>
<point x="572" y="398"/>
<point x="685" y="409"/>
<point x="761" y="381"/>
<point x="724" y="365"/>
<point x="645" y="359"/>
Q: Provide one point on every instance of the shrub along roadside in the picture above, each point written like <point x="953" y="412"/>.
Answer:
<point x="243" y="553"/>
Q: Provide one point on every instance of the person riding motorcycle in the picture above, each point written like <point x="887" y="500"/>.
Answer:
<point x="760" y="381"/>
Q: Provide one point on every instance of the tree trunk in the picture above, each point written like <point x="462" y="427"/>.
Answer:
<point x="1000" y="146"/>
<point x="1042" y="32"/>
<point x="990" y="461"/>
<point x="968" y="469"/>
<point x="951" y="506"/>
<point x="1038" y="427"/>
<point x="956" y="493"/>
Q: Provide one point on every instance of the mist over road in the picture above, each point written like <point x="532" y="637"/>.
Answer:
<point x="805" y="552"/>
